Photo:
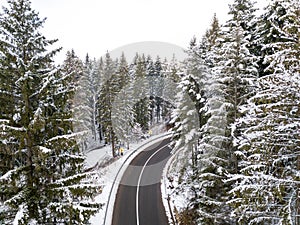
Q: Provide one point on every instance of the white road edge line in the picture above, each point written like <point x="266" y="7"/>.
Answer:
<point x="113" y="192"/>
<point x="139" y="181"/>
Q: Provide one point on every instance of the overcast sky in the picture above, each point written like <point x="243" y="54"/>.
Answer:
<point x="97" y="26"/>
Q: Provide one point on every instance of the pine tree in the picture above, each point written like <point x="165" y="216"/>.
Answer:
<point x="170" y="75"/>
<point x="156" y="85"/>
<point x="276" y="21"/>
<point x="115" y="77"/>
<point x="173" y="70"/>
<point x="91" y="87"/>
<point x="106" y="98"/>
<point x="122" y="109"/>
<point x="159" y="88"/>
<point x="267" y="189"/>
<point x="238" y="66"/>
<point x="73" y="68"/>
<point x="232" y="74"/>
<point x="152" y="78"/>
<point x="213" y="160"/>
<point x="42" y="179"/>
<point x="141" y="93"/>
<point x="189" y="118"/>
<point x="209" y="41"/>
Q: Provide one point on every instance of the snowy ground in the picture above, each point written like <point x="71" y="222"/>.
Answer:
<point x="177" y="199"/>
<point x="111" y="170"/>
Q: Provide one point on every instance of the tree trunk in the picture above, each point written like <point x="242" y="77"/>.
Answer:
<point x="113" y="143"/>
<point x="28" y="139"/>
<point x="297" y="219"/>
<point x="94" y="118"/>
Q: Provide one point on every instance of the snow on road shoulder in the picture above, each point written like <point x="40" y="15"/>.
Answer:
<point x="173" y="199"/>
<point x="112" y="173"/>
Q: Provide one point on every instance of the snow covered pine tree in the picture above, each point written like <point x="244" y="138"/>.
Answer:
<point x="268" y="186"/>
<point x="41" y="171"/>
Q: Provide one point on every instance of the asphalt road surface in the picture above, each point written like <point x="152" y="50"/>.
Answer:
<point x="138" y="200"/>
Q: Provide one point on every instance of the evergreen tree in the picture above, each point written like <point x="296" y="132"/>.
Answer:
<point x="122" y="110"/>
<point x="233" y="72"/>
<point x="269" y="146"/>
<point x="170" y="76"/>
<point x="267" y="191"/>
<point x="141" y="94"/>
<point x="92" y="89"/>
<point x="276" y="21"/>
<point x="214" y="159"/>
<point x="85" y="102"/>
<point x="238" y="67"/>
<point x="73" y="68"/>
<point x="42" y="179"/>
<point x="107" y="93"/>
<point x="189" y="118"/>
<point x="116" y="77"/>
<point x="152" y="79"/>
<point x="209" y="42"/>
<point x="159" y="88"/>
<point x="172" y="70"/>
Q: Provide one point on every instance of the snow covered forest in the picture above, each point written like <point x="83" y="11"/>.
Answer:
<point x="244" y="157"/>
<point x="235" y="118"/>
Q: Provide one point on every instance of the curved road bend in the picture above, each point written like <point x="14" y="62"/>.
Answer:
<point x="138" y="200"/>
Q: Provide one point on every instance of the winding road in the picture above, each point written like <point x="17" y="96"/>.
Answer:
<point x="138" y="200"/>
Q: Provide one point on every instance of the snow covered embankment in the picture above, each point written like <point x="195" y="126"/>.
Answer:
<point x="111" y="175"/>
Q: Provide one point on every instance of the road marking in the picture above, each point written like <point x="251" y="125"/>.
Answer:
<point x="139" y="181"/>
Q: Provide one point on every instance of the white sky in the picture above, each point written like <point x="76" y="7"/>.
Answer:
<point x="97" y="26"/>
